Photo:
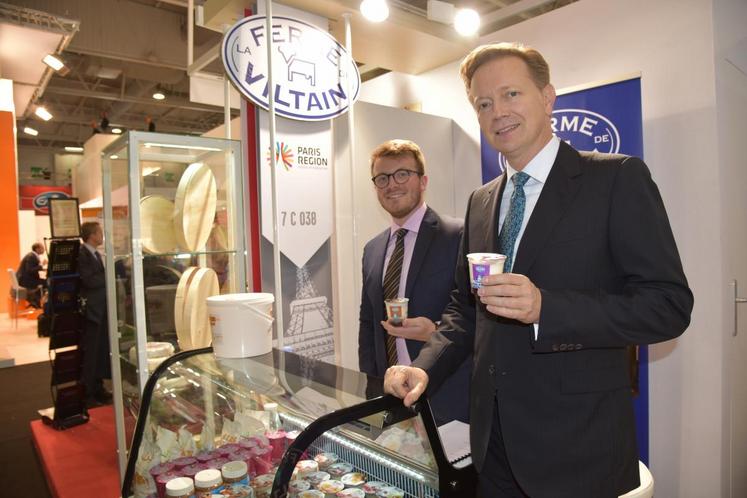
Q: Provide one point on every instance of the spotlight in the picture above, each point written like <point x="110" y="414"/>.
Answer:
<point x="375" y="10"/>
<point x="466" y="22"/>
<point x="43" y="113"/>
<point x="117" y="131"/>
<point x="158" y="94"/>
<point x="30" y="131"/>
<point x="73" y="149"/>
<point x="114" y="156"/>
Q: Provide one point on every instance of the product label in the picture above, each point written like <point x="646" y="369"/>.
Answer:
<point x="479" y="270"/>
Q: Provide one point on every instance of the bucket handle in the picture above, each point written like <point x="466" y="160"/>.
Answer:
<point x="254" y="310"/>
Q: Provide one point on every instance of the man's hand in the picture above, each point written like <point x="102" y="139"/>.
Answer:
<point x="407" y="383"/>
<point x="419" y="328"/>
<point x="511" y="295"/>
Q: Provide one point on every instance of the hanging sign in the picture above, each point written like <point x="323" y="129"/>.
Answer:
<point x="303" y="168"/>
<point x="314" y="78"/>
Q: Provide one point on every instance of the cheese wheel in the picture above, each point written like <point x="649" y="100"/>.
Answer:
<point x="194" y="207"/>
<point x="183" y="334"/>
<point x="157" y="224"/>
<point x="203" y="285"/>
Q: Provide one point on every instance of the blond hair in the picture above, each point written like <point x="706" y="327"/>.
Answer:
<point x="538" y="68"/>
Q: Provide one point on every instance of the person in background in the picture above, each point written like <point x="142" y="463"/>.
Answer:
<point x="592" y="267"/>
<point x="28" y="274"/>
<point x="413" y="258"/>
<point x="96" y="362"/>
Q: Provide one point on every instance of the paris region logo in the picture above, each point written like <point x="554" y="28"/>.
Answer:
<point x="283" y="155"/>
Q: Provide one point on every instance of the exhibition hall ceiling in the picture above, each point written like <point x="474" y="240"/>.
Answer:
<point x="119" y="52"/>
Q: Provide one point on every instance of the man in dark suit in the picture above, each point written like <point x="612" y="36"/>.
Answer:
<point x="422" y="271"/>
<point x="591" y="268"/>
<point x="96" y="363"/>
<point x="28" y="274"/>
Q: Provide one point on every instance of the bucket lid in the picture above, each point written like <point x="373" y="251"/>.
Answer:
<point x="244" y="298"/>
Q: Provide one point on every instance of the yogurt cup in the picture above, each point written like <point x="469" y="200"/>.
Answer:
<point x="482" y="264"/>
<point x="396" y="310"/>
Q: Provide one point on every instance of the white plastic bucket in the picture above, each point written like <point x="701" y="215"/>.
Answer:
<point x="241" y="324"/>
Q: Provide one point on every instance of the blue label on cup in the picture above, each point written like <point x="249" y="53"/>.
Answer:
<point x="479" y="270"/>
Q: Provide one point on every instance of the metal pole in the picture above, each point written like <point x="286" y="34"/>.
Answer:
<point x="351" y="141"/>
<point x="190" y="31"/>
<point x="279" y="327"/>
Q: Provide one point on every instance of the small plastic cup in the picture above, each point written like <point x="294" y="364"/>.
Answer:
<point x="482" y="264"/>
<point x="396" y="310"/>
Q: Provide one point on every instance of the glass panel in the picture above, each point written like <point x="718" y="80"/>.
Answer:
<point x="251" y="409"/>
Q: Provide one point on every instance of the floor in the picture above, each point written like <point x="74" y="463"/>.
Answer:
<point x="20" y="345"/>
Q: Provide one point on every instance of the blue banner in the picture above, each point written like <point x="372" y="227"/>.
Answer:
<point x="605" y="118"/>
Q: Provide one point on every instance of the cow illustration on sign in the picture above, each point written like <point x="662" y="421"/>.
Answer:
<point x="297" y="66"/>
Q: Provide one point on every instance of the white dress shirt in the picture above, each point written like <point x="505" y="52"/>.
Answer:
<point x="538" y="170"/>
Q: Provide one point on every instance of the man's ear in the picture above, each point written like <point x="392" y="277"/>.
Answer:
<point x="548" y="95"/>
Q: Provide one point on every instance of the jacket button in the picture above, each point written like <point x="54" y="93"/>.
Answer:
<point x="578" y="346"/>
<point x="563" y="347"/>
<point x="554" y="347"/>
<point x="491" y="369"/>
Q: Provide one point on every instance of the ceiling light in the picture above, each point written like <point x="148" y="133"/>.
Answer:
<point x="114" y="156"/>
<point x="53" y="61"/>
<point x="466" y="22"/>
<point x="159" y="95"/>
<point x="116" y="131"/>
<point x="30" y="131"/>
<point x="43" y="113"/>
<point x="73" y="149"/>
<point x="375" y="10"/>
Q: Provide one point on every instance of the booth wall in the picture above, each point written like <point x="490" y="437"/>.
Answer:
<point x="694" y="124"/>
<point x="9" y="254"/>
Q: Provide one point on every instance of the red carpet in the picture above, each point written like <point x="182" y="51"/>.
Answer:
<point x="81" y="461"/>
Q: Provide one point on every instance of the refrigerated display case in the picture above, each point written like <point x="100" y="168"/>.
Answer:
<point x="174" y="234"/>
<point x="297" y="423"/>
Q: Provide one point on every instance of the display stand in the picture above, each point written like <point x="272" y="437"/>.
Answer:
<point x="65" y="321"/>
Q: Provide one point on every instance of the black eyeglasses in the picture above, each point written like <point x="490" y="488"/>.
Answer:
<point x="400" y="176"/>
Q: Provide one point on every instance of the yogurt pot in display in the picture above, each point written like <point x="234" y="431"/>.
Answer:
<point x="306" y="467"/>
<point x="337" y="470"/>
<point x="263" y="485"/>
<point x="372" y="488"/>
<point x="316" y="477"/>
<point x="351" y="493"/>
<point x="326" y="459"/>
<point x="298" y="485"/>
<point x="353" y="479"/>
<point x="331" y="487"/>
<point x="391" y="492"/>
<point x="312" y="493"/>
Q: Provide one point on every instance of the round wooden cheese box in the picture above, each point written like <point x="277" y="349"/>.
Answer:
<point x="203" y="285"/>
<point x="194" y="207"/>
<point x="183" y="333"/>
<point x="157" y="224"/>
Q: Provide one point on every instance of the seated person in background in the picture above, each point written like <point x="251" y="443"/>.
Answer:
<point x="28" y="274"/>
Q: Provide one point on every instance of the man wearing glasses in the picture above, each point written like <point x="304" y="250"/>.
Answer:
<point x="413" y="258"/>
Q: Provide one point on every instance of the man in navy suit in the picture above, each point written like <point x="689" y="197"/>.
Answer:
<point x="592" y="267"/>
<point x="425" y="276"/>
<point x="96" y="363"/>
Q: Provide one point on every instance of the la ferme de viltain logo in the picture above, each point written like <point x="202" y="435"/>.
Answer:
<point x="314" y="78"/>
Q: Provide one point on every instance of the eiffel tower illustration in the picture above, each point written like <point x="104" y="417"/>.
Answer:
<point x="310" y="330"/>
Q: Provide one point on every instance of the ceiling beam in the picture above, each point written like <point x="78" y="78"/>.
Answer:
<point x="116" y="97"/>
<point x="515" y="9"/>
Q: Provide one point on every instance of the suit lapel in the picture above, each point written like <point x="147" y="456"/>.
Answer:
<point x="377" y="257"/>
<point x="561" y="187"/>
<point x="491" y="207"/>
<point x="426" y="232"/>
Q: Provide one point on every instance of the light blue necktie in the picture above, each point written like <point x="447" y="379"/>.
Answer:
<point x="512" y="223"/>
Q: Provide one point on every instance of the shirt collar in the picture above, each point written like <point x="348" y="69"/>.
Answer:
<point x="412" y="223"/>
<point x="541" y="164"/>
<point x="90" y="248"/>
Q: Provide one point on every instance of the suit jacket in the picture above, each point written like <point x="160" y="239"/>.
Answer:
<point x="599" y="247"/>
<point x="92" y="285"/>
<point x="430" y="279"/>
<point x="28" y="271"/>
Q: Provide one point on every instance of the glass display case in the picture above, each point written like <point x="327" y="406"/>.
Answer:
<point x="301" y="427"/>
<point x="174" y="235"/>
